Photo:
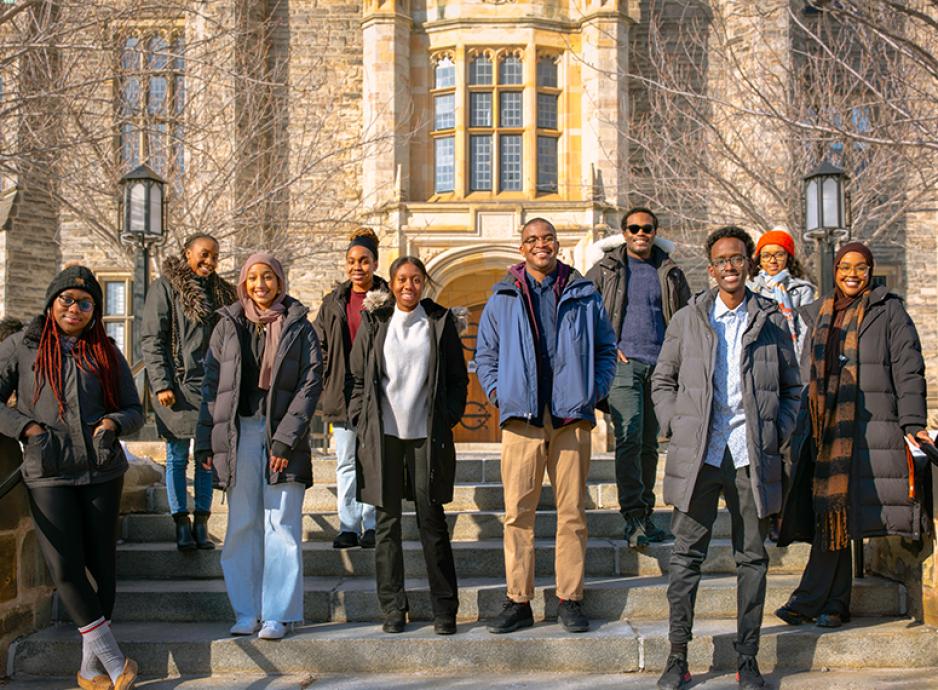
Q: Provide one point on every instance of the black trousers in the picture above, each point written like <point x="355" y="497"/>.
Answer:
<point x="77" y="529"/>
<point x="692" y="531"/>
<point x="826" y="583"/>
<point x="405" y="462"/>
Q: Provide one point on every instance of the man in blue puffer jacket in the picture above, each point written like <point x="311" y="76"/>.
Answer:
<point x="545" y="354"/>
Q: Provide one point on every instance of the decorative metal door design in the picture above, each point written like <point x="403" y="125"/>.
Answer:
<point x="479" y="423"/>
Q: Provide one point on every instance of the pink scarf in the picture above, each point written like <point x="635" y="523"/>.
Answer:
<point x="271" y="318"/>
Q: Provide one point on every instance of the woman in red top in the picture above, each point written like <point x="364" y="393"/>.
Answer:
<point x="336" y="325"/>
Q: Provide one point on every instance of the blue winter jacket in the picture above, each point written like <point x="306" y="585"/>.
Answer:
<point x="506" y="358"/>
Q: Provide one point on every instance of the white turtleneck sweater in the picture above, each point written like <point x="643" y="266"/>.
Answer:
<point x="404" y="403"/>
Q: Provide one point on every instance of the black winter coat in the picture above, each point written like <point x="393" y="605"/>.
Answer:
<point x="890" y="403"/>
<point x="177" y="324"/>
<point x="66" y="454"/>
<point x="449" y="388"/>
<point x="294" y="389"/>
<point x="331" y="326"/>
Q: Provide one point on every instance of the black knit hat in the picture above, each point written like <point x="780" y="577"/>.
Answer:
<point x="77" y="278"/>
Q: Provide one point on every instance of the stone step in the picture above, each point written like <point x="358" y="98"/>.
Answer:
<point x="613" y="647"/>
<point x="355" y="600"/>
<point x="464" y="525"/>
<point x="471" y="496"/>
<point x="476" y="470"/>
<point x="604" y="558"/>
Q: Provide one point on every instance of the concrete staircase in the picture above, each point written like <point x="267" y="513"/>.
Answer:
<point x="172" y="612"/>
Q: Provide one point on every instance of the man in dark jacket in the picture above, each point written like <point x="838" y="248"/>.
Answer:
<point x="546" y="355"/>
<point x="726" y="391"/>
<point x="642" y="288"/>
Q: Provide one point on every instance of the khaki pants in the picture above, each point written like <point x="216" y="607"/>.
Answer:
<point x="526" y="451"/>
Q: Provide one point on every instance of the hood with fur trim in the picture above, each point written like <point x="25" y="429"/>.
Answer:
<point x="378" y="300"/>
<point x="195" y="301"/>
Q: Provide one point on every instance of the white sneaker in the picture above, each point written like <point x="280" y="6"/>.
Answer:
<point x="245" y="626"/>
<point x="272" y="630"/>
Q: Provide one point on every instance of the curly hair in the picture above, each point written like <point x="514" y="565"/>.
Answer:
<point x="733" y="231"/>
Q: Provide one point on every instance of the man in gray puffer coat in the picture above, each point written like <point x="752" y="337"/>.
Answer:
<point x="726" y="390"/>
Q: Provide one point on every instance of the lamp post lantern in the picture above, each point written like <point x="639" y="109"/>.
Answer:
<point x="143" y="224"/>
<point x="826" y="215"/>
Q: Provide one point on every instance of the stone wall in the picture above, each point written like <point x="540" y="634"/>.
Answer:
<point x="25" y="587"/>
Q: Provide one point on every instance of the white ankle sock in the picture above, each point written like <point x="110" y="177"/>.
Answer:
<point x="89" y="662"/>
<point x="100" y="640"/>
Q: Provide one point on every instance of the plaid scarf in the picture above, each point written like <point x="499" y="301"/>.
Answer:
<point x="833" y="412"/>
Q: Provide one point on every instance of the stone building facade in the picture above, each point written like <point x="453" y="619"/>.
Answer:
<point x="445" y="125"/>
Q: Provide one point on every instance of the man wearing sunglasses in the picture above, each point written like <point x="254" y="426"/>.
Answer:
<point x="726" y="391"/>
<point x="642" y="288"/>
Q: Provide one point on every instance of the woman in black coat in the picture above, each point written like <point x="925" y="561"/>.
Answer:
<point x="178" y="318"/>
<point x="75" y="396"/>
<point x="337" y="325"/>
<point x="409" y="391"/>
<point x="853" y="476"/>
<point x="262" y="381"/>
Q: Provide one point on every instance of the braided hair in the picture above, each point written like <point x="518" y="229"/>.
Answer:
<point x="94" y="352"/>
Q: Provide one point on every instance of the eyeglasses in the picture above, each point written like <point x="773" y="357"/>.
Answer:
<point x="534" y="241"/>
<point x="860" y="269"/>
<point x="635" y="229"/>
<point x="778" y="257"/>
<point x="721" y="264"/>
<point x="85" y="304"/>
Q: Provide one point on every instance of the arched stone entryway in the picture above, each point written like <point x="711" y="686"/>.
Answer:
<point x="464" y="277"/>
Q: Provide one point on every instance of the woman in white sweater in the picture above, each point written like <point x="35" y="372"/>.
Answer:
<point x="410" y="386"/>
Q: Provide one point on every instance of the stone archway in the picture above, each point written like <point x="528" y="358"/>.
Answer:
<point x="464" y="277"/>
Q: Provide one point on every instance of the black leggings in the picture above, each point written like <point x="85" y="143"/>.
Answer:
<point x="77" y="529"/>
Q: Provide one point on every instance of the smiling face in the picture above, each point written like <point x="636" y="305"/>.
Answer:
<point x="773" y="259"/>
<point x="729" y="265"/>
<point x="852" y="274"/>
<point x="640" y="242"/>
<point x="407" y="286"/>
<point x="262" y="285"/>
<point x="539" y="247"/>
<point x="360" y="268"/>
<point x="202" y="256"/>
<point x="72" y="311"/>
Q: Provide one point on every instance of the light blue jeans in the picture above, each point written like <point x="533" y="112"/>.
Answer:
<point x="177" y="458"/>
<point x="263" y="557"/>
<point x="354" y="516"/>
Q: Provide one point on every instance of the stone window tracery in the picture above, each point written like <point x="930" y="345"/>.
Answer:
<point x="151" y="101"/>
<point x="498" y="130"/>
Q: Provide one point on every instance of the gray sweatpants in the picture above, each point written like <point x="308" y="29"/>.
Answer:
<point x="692" y="531"/>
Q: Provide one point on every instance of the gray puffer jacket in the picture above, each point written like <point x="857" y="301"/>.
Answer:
<point x="890" y="403"/>
<point x="682" y="390"/>
<point x="66" y="454"/>
<point x="296" y="382"/>
<point x="177" y="324"/>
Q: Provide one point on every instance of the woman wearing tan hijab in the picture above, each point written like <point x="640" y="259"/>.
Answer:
<point x="263" y="376"/>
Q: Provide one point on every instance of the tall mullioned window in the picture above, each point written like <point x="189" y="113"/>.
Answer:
<point x="444" y="124"/>
<point x="151" y="101"/>
<point x="498" y="129"/>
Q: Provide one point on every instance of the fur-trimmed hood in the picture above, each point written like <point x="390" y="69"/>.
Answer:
<point x="195" y="301"/>
<point x="380" y="300"/>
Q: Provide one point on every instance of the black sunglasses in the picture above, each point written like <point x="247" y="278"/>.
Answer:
<point x="635" y="229"/>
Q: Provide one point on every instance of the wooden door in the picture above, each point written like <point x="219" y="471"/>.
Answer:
<point x="479" y="423"/>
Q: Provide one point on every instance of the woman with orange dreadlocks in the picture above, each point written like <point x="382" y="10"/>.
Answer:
<point x="75" y="396"/>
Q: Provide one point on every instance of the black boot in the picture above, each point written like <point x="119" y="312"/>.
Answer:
<point x="184" y="540"/>
<point x="200" y="531"/>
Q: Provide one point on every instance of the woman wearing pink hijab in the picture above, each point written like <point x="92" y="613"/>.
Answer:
<point x="263" y="375"/>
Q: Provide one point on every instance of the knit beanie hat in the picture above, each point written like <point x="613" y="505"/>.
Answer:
<point x="777" y="236"/>
<point x="77" y="278"/>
